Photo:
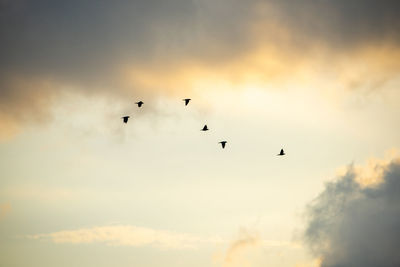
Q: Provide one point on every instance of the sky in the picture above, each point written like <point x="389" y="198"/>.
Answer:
<point x="318" y="78"/>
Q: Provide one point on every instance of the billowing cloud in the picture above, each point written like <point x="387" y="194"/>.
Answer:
<point x="357" y="224"/>
<point x="126" y="235"/>
<point x="130" y="48"/>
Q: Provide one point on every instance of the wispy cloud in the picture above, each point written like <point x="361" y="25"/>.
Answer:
<point x="243" y="250"/>
<point x="127" y="235"/>
<point x="130" y="235"/>
<point x="236" y="249"/>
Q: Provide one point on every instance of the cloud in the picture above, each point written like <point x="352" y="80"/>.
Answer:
<point x="234" y="253"/>
<point x="357" y="224"/>
<point x="237" y="251"/>
<point x="339" y="23"/>
<point x="57" y="37"/>
<point x="24" y="98"/>
<point x="4" y="210"/>
<point x="126" y="235"/>
<point x="130" y="48"/>
<point x="249" y="247"/>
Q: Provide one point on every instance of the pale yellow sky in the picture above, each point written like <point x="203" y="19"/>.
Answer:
<point x="80" y="188"/>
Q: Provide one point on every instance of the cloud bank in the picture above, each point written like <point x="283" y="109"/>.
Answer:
<point x="357" y="224"/>
<point x="130" y="48"/>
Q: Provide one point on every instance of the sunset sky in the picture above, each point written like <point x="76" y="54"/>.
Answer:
<point x="318" y="78"/>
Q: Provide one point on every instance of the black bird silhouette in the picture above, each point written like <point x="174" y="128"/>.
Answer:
<point x="140" y="103"/>
<point x="223" y="143"/>
<point x="204" y="128"/>
<point x="282" y="153"/>
<point x="186" y="101"/>
<point x="125" y="119"/>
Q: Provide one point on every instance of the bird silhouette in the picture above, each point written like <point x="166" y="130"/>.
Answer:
<point x="125" y="119"/>
<point x="282" y="153"/>
<point x="187" y="100"/>
<point x="205" y="128"/>
<point x="223" y="143"/>
<point x="140" y="103"/>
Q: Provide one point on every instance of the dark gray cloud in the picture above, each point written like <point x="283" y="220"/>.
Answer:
<point x="80" y="39"/>
<point x="76" y="39"/>
<point x="341" y="23"/>
<point x="350" y="225"/>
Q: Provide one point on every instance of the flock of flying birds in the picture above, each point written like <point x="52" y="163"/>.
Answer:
<point x="204" y="129"/>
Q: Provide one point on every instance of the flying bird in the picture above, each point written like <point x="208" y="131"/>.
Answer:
<point x="223" y="143"/>
<point x="282" y="153"/>
<point x="140" y="103"/>
<point x="125" y="119"/>
<point x="187" y="100"/>
<point x="205" y="128"/>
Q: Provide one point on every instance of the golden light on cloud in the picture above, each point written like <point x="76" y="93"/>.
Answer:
<point x="371" y="173"/>
<point x="274" y="65"/>
<point x="262" y="65"/>
<point x="8" y="127"/>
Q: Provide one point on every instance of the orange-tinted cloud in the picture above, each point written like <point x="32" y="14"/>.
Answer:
<point x="24" y="99"/>
<point x="4" y="210"/>
<point x="234" y="255"/>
